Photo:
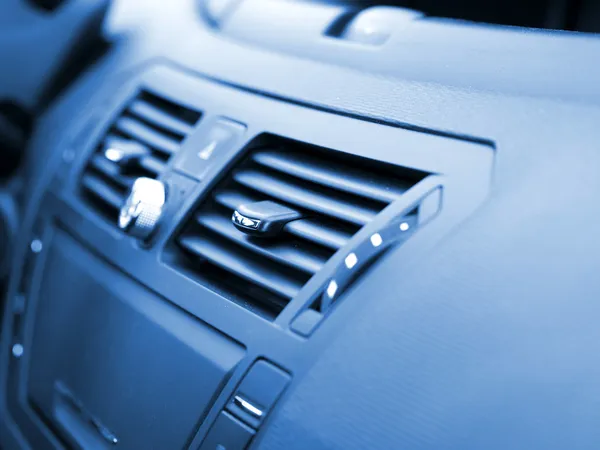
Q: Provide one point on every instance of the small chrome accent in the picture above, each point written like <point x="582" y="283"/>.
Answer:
<point x="207" y="151"/>
<point x="105" y="432"/>
<point x="332" y="288"/>
<point x="17" y="350"/>
<point x="36" y="246"/>
<point x="143" y="207"/>
<point x="351" y="260"/>
<point x="244" y="221"/>
<point x="247" y="406"/>
<point x="114" y="154"/>
<point x="263" y="219"/>
<point x="124" y="152"/>
<point x="376" y="240"/>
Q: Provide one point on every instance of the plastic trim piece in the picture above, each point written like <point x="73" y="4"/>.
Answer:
<point x="363" y="255"/>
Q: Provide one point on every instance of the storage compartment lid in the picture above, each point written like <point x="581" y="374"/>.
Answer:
<point x="113" y="363"/>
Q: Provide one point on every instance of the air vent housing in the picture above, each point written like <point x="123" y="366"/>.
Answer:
<point x="337" y="194"/>
<point x="140" y="142"/>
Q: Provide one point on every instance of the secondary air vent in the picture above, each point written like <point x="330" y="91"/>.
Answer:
<point x="140" y="142"/>
<point x="335" y="193"/>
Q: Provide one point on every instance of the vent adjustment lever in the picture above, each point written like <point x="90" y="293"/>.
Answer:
<point x="266" y="218"/>
<point x="125" y="153"/>
<point x="143" y="208"/>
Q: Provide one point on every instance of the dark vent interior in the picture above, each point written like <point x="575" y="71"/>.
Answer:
<point x="152" y="127"/>
<point x="338" y="192"/>
<point x="577" y="15"/>
<point x="47" y="5"/>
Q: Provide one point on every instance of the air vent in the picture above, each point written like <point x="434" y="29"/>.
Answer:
<point x="140" y="142"/>
<point x="336" y="194"/>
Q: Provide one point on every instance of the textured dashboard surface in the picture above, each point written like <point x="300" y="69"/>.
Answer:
<point x="488" y="342"/>
<point x="488" y="339"/>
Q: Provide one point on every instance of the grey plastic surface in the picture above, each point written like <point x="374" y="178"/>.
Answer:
<point x="89" y="319"/>
<point x="482" y="335"/>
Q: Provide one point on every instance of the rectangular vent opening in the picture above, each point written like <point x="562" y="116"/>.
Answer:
<point x="337" y="194"/>
<point x="142" y="139"/>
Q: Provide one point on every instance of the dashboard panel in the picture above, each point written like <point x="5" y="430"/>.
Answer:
<point x="458" y="335"/>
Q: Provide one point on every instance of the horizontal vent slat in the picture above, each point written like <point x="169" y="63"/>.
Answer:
<point x="99" y="189"/>
<point x="318" y="233"/>
<point x="160" y="118"/>
<point x="152" y="165"/>
<point x="283" y="253"/>
<point x="241" y="265"/>
<point x="232" y="200"/>
<point x="304" y="197"/>
<point x="343" y="179"/>
<point x="146" y="135"/>
<point x="173" y="108"/>
<point x="111" y="171"/>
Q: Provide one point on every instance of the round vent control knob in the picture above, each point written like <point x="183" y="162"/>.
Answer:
<point x="143" y="207"/>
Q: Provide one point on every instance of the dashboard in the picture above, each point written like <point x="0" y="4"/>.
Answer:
<point x="303" y="225"/>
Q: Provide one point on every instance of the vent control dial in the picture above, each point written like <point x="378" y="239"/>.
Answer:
<point x="143" y="207"/>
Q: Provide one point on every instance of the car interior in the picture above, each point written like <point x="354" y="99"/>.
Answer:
<point x="299" y="224"/>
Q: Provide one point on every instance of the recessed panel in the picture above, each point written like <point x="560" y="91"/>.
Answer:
<point x="111" y="362"/>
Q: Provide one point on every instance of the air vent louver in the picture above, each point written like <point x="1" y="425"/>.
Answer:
<point x="338" y="193"/>
<point x="149" y="131"/>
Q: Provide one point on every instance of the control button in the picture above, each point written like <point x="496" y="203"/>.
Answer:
<point x="203" y="149"/>
<point x="306" y="322"/>
<point x="227" y="433"/>
<point x="258" y="392"/>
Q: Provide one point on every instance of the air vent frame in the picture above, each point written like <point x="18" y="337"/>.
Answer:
<point x="148" y="117"/>
<point x="264" y="144"/>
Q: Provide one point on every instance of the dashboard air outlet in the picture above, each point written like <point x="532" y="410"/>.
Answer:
<point x="332" y="195"/>
<point x="140" y="142"/>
